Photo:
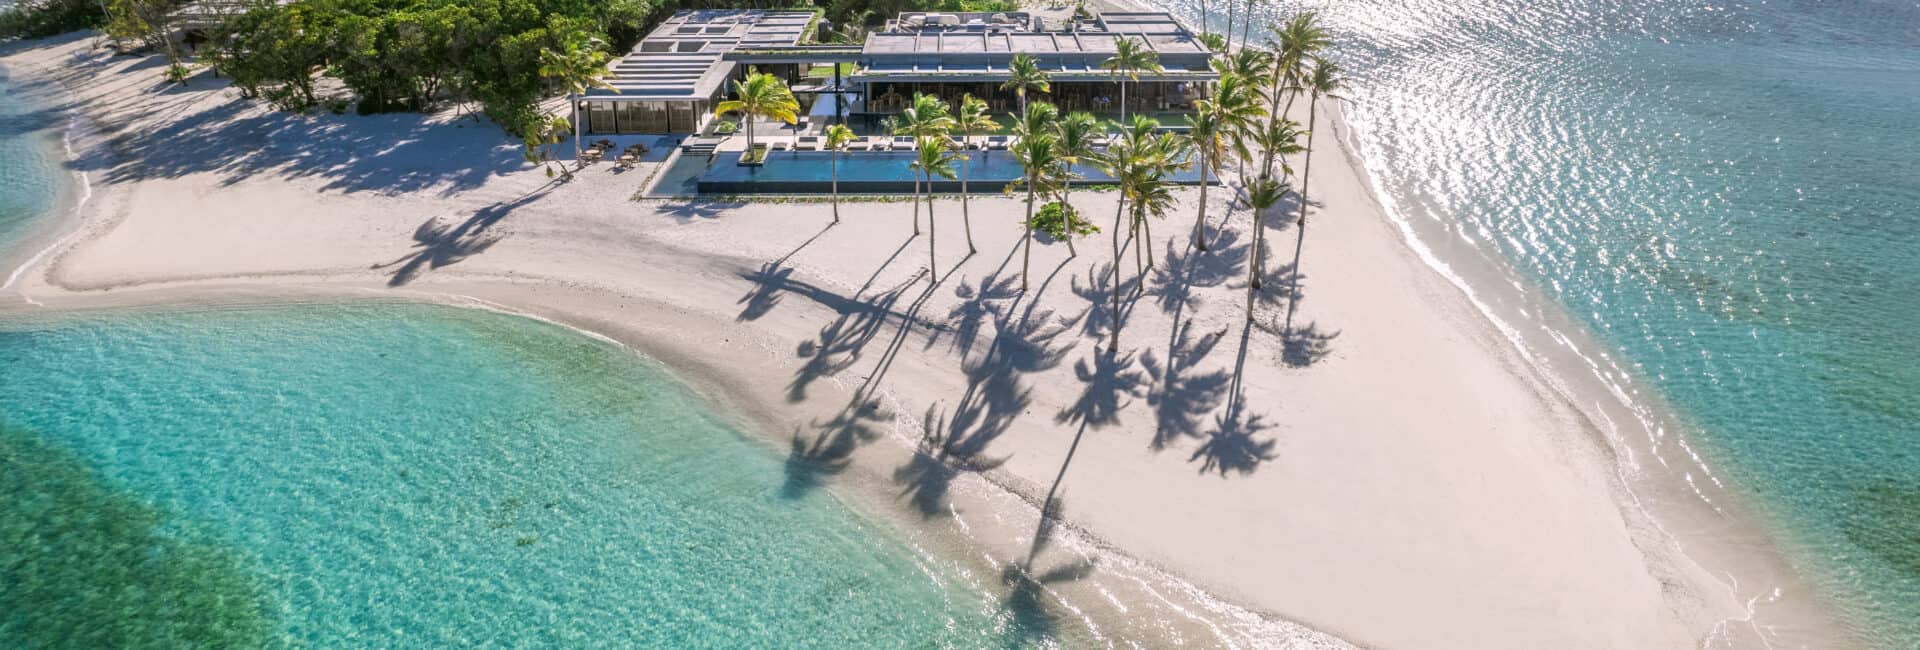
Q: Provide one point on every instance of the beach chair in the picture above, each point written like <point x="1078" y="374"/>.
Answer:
<point x="807" y="143"/>
<point x="859" y="144"/>
<point x="778" y="145"/>
<point x="903" y="143"/>
<point x="997" y="143"/>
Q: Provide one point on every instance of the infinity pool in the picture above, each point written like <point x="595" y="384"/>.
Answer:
<point x="870" y="172"/>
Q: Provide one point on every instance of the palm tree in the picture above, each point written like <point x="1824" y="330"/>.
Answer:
<point x="1249" y="67"/>
<point x="1282" y="138"/>
<point x="971" y="117"/>
<point x="1132" y="163"/>
<point x="1118" y="162"/>
<point x="933" y="159"/>
<point x="1166" y="153"/>
<point x="1299" y="40"/>
<point x="1216" y="119"/>
<point x="838" y="136"/>
<point x="1322" y="81"/>
<point x="1130" y="58"/>
<point x="761" y="95"/>
<point x="1038" y="155"/>
<point x="1023" y="75"/>
<point x="1073" y="143"/>
<point x="1263" y="194"/>
<point x="579" y="66"/>
<point x="1215" y="43"/>
<point x="926" y="117"/>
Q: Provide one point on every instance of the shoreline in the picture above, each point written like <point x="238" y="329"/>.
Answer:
<point x="521" y="290"/>
<point x="1739" y="538"/>
<point x="60" y="224"/>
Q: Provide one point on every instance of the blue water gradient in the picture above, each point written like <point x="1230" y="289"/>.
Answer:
<point x="1726" y="192"/>
<point x="416" y="476"/>
<point x="29" y="168"/>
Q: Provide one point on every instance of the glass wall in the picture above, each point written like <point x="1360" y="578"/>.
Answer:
<point x="644" y="117"/>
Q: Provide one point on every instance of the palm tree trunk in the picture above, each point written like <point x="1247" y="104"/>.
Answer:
<point x="966" y="218"/>
<point x="1200" y="223"/>
<point x="1026" y="255"/>
<point x="932" y="260"/>
<point x="574" y="100"/>
<point x="1257" y="266"/>
<point x="1066" y="208"/>
<point x="1133" y="230"/>
<point x="916" y="205"/>
<point x="1113" y="346"/>
<point x="1300" y="241"/>
<point x="835" y="162"/>
<point x="1123" y="105"/>
<point x="1229" y="31"/>
<point x="1148" y="242"/>
<point x="1204" y="29"/>
<point x="1246" y="29"/>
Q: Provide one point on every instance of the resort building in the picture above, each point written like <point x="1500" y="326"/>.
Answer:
<point x="954" y="54"/>
<point x="672" y="79"/>
<point x="674" y="76"/>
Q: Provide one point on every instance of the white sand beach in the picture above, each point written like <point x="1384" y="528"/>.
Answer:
<point x="1397" y="477"/>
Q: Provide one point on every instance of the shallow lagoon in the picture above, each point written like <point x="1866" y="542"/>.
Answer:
<point x="416" y="476"/>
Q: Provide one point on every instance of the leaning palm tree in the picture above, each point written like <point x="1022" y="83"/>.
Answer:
<point x="927" y="117"/>
<point x="1024" y="75"/>
<point x="1216" y="120"/>
<point x="970" y="117"/>
<point x="1323" y="80"/>
<point x="1278" y="138"/>
<point x="1250" y="68"/>
<point x="760" y="95"/>
<point x="1130" y="58"/>
<point x="1262" y="194"/>
<point x="838" y="136"/>
<point x="1125" y="162"/>
<point x="579" y="66"/>
<point x="1038" y="155"/>
<point x="932" y="159"/>
<point x="1073" y="143"/>
<point x="1153" y="197"/>
<point x="1295" y="43"/>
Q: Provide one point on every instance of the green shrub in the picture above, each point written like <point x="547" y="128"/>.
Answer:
<point x="726" y="127"/>
<point x="1052" y="219"/>
<point x="43" y="18"/>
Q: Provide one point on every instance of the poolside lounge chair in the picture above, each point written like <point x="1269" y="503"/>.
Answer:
<point x="778" y="145"/>
<point x="997" y="142"/>
<point x="860" y="144"/>
<point x="957" y="142"/>
<point x="903" y="143"/>
<point x="807" y="143"/>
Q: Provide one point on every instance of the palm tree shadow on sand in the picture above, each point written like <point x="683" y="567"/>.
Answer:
<point x="437" y="243"/>
<point x="1026" y="341"/>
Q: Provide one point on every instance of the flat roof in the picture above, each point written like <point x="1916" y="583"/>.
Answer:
<point x="682" y="58"/>
<point x="1159" y="31"/>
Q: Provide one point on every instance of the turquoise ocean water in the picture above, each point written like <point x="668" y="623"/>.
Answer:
<point x="416" y="476"/>
<point x="1727" y="193"/>
<point x="30" y="169"/>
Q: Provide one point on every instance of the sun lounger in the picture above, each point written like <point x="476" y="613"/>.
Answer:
<point x="807" y="143"/>
<point x="997" y="143"/>
<point x="903" y="143"/>
<point x="778" y="145"/>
